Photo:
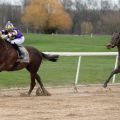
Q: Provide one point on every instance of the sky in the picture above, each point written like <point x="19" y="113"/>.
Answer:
<point x="19" y="2"/>
<point x="98" y="5"/>
<point x="13" y="2"/>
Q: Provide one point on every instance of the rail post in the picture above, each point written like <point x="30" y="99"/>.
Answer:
<point x="77" y="74"/>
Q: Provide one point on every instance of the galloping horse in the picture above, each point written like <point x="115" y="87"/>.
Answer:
<point x="8" y="62"/>
<point x="115" y="42"/>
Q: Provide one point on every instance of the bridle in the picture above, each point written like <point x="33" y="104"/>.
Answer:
<point x="118" y="41"/>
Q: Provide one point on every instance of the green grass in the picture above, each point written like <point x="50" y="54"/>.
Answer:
<point x="67" y="42"/>
<point x="92" y="70"/>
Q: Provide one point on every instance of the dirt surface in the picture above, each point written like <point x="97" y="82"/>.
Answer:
<point x="90" y="103"/>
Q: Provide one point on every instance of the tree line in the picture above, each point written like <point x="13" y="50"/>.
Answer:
<point x="65" y="16"/>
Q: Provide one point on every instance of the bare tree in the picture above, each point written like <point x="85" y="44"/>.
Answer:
<point x="25" y="2"/>
<point x="9" y="12"/>
<point x="111" y="21"/>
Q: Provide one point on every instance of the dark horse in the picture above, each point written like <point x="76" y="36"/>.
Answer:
<point x="8" y="62"/>
<point x="115" y="42"/>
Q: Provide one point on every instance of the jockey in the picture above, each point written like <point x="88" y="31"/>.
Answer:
<point x="14" y="36"/>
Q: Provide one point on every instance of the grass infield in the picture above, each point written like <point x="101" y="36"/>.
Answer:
<point x="93" y="69"/>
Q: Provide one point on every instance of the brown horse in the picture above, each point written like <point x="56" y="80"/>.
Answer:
<point x="8" y="62"/>
<point x="115" y="42"/>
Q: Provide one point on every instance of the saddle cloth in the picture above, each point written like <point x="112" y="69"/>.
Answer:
<point x="25" y="53"/>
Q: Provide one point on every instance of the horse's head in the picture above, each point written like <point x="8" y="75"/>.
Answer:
<point x="115" y="41"/>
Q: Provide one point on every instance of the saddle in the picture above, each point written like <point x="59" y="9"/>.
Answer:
<point x="25" y="55"/>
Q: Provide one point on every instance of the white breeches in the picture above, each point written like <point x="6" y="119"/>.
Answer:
<point x="18" y="41"/>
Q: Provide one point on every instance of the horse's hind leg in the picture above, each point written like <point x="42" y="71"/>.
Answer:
<point x="42" y="89"/>
<point x="32" y="85"/>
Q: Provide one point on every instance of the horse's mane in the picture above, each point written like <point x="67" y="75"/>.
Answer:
<point x="3" y="41"/>
<point x="6" y="47"/>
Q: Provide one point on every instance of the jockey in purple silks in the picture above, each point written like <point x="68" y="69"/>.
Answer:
<point x="14" y="36"/>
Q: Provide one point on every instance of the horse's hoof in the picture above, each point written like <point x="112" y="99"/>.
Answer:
<point x="75" y="89"/>
<point x="39" y="92"/>
<point x="47" y="93"/>
<point x="43" y="94"/>
<point x="105" y="85"/>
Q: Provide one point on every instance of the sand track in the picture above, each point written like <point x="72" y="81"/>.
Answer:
<point x="90" y="103"/>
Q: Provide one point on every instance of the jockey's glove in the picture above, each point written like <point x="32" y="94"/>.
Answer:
<point x="9" y="35"/>
<point x="0" y="33"/>
<point x="4" y="37"/>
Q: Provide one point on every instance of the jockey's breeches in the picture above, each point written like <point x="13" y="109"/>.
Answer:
<point x="18" y="41"/>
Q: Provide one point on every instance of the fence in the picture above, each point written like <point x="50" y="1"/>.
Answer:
<point x="80" y="54"/>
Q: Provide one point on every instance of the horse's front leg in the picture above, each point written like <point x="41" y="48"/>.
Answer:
<point x="111" y="75"/>
<point x="32" y="85"/>
<point x="41" y="88"/>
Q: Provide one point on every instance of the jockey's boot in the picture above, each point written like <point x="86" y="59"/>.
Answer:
<point x="19" y="51"/>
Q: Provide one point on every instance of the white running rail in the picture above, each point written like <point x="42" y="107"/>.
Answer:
<point x="80" y="54"/>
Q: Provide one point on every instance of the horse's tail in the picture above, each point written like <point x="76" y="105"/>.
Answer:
<point x="49" y="57"/>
